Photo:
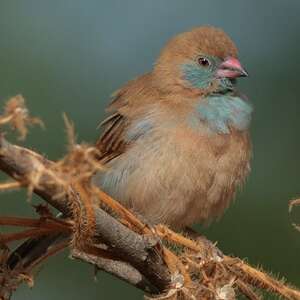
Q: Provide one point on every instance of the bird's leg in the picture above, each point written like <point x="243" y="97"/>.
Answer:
<point x="200" y="239"/>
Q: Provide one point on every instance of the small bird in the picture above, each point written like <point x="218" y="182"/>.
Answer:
<point x="176" y="144"/>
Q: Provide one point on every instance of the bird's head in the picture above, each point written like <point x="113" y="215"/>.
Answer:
<point x="202" y="60"/>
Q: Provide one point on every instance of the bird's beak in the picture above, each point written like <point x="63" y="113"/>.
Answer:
<point x="231" y="68"/>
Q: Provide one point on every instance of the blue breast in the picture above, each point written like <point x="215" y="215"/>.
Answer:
<point x="220" y="112"/>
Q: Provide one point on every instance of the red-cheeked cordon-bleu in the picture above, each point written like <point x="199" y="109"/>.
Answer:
<point x="176" y="143"/>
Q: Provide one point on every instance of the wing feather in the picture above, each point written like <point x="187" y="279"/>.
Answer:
<point x="125" y="104"/>
<point x="111" y="142"/>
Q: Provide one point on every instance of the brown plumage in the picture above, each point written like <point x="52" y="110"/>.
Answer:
<point x="176" y="143"/>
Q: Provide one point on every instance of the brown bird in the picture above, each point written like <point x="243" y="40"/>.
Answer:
<point x="176" y="144"/>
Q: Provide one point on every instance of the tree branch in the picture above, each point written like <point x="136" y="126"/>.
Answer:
<point x="25" y="165"/>
<point x="100" y="231"/>
<point x="138" y="251"/>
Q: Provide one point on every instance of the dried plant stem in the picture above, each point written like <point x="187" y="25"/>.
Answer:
<point x="246" y="290"/>
<point x="121" y="211"/>
<point x="165" y="233"/>
<point x="41" y="223"/>
<point x="262" y="280"/>
<point x="10" y="185"/>
<point x="5" y="119"/>
<point x="52" y="251"/>
<point x="293" y="203"/>
<point x="36" y="232"/>
<point x="255" y="277"/>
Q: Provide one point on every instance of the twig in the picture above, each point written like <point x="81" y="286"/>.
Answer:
<point x="262" y="280"/>
<point x="120" y="269"/>
<point x="10" y="185"/>
<point x="36" y="232"/>
<point x="54" y="224"/>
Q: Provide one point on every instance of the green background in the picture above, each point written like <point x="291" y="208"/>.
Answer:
<point x="69" y="56"/>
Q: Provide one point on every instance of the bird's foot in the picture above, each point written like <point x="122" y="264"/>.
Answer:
<point x="209" y="249"/>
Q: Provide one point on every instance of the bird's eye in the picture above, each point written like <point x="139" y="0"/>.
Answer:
<point x="204" y="62"/>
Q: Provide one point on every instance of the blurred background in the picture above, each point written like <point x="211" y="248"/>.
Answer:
<point x="69" y="56"/>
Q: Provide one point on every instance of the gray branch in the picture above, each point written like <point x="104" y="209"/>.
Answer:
<point x="138" y="261"/>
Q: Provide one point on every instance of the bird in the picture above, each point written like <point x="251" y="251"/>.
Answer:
<point x="176" y="145"/>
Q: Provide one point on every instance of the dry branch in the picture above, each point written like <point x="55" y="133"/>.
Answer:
<point x="100" y="231"/>
<point x="22" y="163"/>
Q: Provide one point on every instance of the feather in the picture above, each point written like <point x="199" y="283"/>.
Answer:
<point x="176" y="142"/>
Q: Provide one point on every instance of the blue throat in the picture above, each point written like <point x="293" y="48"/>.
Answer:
<point x="221" y="112"/>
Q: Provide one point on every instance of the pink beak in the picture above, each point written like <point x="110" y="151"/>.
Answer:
<point x="231" y="68"/>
